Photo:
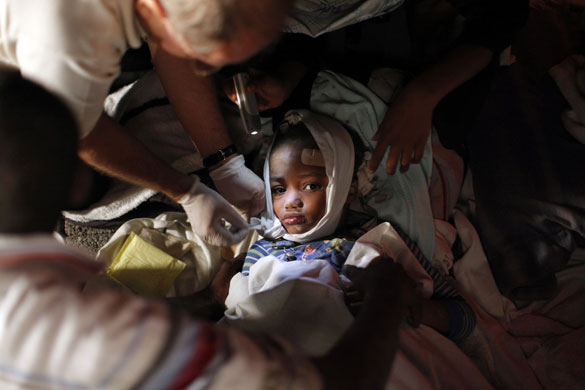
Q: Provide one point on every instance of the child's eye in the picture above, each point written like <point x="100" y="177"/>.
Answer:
<point x="312" y="187"/>
<point x="277" y="190"/>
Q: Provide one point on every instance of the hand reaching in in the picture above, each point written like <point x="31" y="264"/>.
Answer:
<point x="240" y="186"/>
<point x="208" y="213"/>
<point x="405" y="130"/>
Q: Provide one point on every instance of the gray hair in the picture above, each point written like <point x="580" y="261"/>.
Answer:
<point x="203" y="24"/>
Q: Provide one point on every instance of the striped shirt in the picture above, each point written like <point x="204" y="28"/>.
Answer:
<point x="53" y="335"/>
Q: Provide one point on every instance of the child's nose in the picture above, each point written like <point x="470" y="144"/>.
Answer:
<point x="293" y="202"/>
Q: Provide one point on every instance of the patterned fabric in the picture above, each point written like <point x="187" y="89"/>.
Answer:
<point x="55" y="336"/>
<point x="335" y="251"/>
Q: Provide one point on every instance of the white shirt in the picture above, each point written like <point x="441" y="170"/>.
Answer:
<point x="316" y="17"/>
<point x="72" y="48"/>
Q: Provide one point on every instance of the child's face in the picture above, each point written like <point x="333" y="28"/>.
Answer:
<point x="298" y="190"/>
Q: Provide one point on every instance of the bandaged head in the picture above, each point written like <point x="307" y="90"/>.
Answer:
<point x="337" y="154"/>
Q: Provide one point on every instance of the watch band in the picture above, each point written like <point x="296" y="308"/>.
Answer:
<point x="219" y="156"/>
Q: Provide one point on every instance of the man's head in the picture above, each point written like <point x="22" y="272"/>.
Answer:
<point x="213" y="33"/>
<point x="38" y="156"/>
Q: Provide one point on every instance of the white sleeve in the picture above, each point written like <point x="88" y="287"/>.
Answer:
<point x="83" y="83"/>
<point x="53" y="335"/>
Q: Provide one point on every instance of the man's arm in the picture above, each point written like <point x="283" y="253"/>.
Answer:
<point x="112" y="150"/>
<point x="194" y="99"/>
<point x="489" y="27"/>
<point x="407" y="123"/>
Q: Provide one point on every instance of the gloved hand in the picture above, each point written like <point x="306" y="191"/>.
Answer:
<point x="240" y="186"/>
<point x="208" y="213"/>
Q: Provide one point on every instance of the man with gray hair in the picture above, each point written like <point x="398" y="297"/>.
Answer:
<point x="74" y="50"/>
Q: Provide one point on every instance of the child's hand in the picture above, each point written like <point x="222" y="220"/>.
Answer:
<point x="404" y="129"/>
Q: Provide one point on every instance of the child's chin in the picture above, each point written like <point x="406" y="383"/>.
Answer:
<point x="297" y="229"/>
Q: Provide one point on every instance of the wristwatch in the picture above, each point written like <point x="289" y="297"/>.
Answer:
<point x="219" y="156"/>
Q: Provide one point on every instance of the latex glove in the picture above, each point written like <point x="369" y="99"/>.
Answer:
<point x="240" y="186"/>
<point x="404" y="129"/>
<point x="208" y="213"/>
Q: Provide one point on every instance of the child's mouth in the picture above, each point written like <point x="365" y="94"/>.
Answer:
<point x="295" y="220"/>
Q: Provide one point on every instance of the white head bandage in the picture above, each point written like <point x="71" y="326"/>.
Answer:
<point x="337" y="152"/>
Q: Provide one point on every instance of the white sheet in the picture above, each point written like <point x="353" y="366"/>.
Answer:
<point x="302" y="301"/>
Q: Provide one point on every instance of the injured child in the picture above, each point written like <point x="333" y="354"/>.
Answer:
<point x="313" y="220"/>
<point x="291" y="281"/>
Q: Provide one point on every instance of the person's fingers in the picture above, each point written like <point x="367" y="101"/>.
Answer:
<point x="352" y="272"/>
<point x="377" y="155"/>
<point x="418" y="153"/>
<point x="234" y="219"/>
<point x="405" y="159"/>
<point x="393" y="158"/>
<point x="223" y="236"/>
<point x="259" y="205"/>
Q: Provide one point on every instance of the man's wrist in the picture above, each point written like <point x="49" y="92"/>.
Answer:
<point x="222" y="162"/>
<point x="180" y="188"/>
<point x="219" y="156"/>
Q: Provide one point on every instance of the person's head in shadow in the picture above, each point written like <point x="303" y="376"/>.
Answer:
<point x="38" y="157"/>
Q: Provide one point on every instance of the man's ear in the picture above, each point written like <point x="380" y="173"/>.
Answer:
<point x="353" y="191"/>
<point x="82" y="187"/>
<point x="151" y="15"/>
<point x="150" y="8"/>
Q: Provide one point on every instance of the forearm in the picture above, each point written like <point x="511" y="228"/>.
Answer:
<point x="349" y="365"/>
<point x="194" y="99"/>
<point x="110" y="149"/>
<point x="458" y="66"/>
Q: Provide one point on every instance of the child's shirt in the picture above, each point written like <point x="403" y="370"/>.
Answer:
<point x="334" y="250"/>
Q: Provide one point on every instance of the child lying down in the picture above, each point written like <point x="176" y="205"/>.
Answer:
<point x="310" y="231"/>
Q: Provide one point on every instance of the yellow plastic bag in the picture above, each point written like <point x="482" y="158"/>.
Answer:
<point x="144" y="268"/>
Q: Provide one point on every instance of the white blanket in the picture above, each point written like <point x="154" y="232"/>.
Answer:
<point x="303" y="302"/>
